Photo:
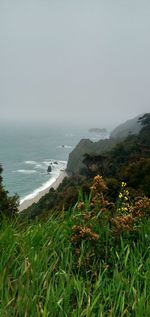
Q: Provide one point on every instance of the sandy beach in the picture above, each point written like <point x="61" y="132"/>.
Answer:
<point x="54" y="185"/>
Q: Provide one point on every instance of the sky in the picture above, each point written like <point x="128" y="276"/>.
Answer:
<point x="74" y="61"/>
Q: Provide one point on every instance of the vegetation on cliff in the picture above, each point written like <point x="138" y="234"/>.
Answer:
<point x="8" y="205"/>
<point x="128" y="161"/>
<point x="75" y="162"/>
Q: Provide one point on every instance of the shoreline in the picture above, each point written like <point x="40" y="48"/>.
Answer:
<point x="28" y="202"/>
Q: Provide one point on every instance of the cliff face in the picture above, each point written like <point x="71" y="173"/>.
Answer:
<point x="127" y="128"/>
<point x="87" y="146"/>
<point x="76" y="156"/>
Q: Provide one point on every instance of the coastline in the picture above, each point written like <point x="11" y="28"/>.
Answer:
<point x="28" y="202"/>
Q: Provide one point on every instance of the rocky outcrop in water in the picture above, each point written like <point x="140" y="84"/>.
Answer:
<point x="49" y="169"/>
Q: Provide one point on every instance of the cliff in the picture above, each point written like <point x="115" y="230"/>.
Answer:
<point x="127" y="128"/>
<point x="87" y="146"/>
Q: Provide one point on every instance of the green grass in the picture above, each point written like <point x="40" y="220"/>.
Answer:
<point x="40" y="275"/>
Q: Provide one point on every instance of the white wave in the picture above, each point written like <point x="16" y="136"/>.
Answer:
<point x="48" y="162"/>
<point x="68" y="146"/>
<point x="40" y="189"/>
<point x="27" y="171"/>
<point x="39" y="166"/>
<point x="42" y="166"/>
<point x="30" y="162"/>
<point x="60" y="161"/>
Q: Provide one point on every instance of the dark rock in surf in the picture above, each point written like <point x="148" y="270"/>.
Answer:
<point x="49" y="169"/>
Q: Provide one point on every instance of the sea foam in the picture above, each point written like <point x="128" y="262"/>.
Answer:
<point x="27" y="171"/>
<point x="57" y="168"/>
<point x="39" y="189"/>
<point x="30" y="162"/>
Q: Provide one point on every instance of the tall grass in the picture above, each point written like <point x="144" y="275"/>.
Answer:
<point x="40" y="276"/>
<point x="90" y="261"/>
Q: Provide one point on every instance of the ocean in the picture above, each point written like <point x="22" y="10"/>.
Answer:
<point x="26" y="152"/>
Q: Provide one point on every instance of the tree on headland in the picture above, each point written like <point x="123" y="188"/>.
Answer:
<point x="145" y="119"/>
<point x="94" y="164"/>
<point x="145" y="131"/>
<point x="8" y="205"/>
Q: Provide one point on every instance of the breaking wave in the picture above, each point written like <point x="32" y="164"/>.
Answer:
<point x="27" y="171"/>
<point x="39" y="189"/>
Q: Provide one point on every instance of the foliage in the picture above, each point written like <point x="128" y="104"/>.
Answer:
<point x="8" y="205"/>
<point x="128" y="160"/>
<point x="97" y="214"/>
<point x="94" y="164"/>
<point x="137" y="175"/>
<point x="90" y="260"/>
<point x="145" y="119"/>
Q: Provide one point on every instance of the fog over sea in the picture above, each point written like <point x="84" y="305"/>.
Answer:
<point x="27" y="151"/>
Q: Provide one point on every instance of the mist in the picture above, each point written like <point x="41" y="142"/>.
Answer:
<point x="74" y="62"/>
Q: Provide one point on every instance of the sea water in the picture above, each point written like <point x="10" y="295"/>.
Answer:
<point x="26" y="151"/>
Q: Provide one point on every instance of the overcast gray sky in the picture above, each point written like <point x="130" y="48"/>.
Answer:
<point x="85" y="61"/>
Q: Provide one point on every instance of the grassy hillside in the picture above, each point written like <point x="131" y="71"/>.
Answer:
<point x="88" y="253"/>
<point x="90" y="260"/>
